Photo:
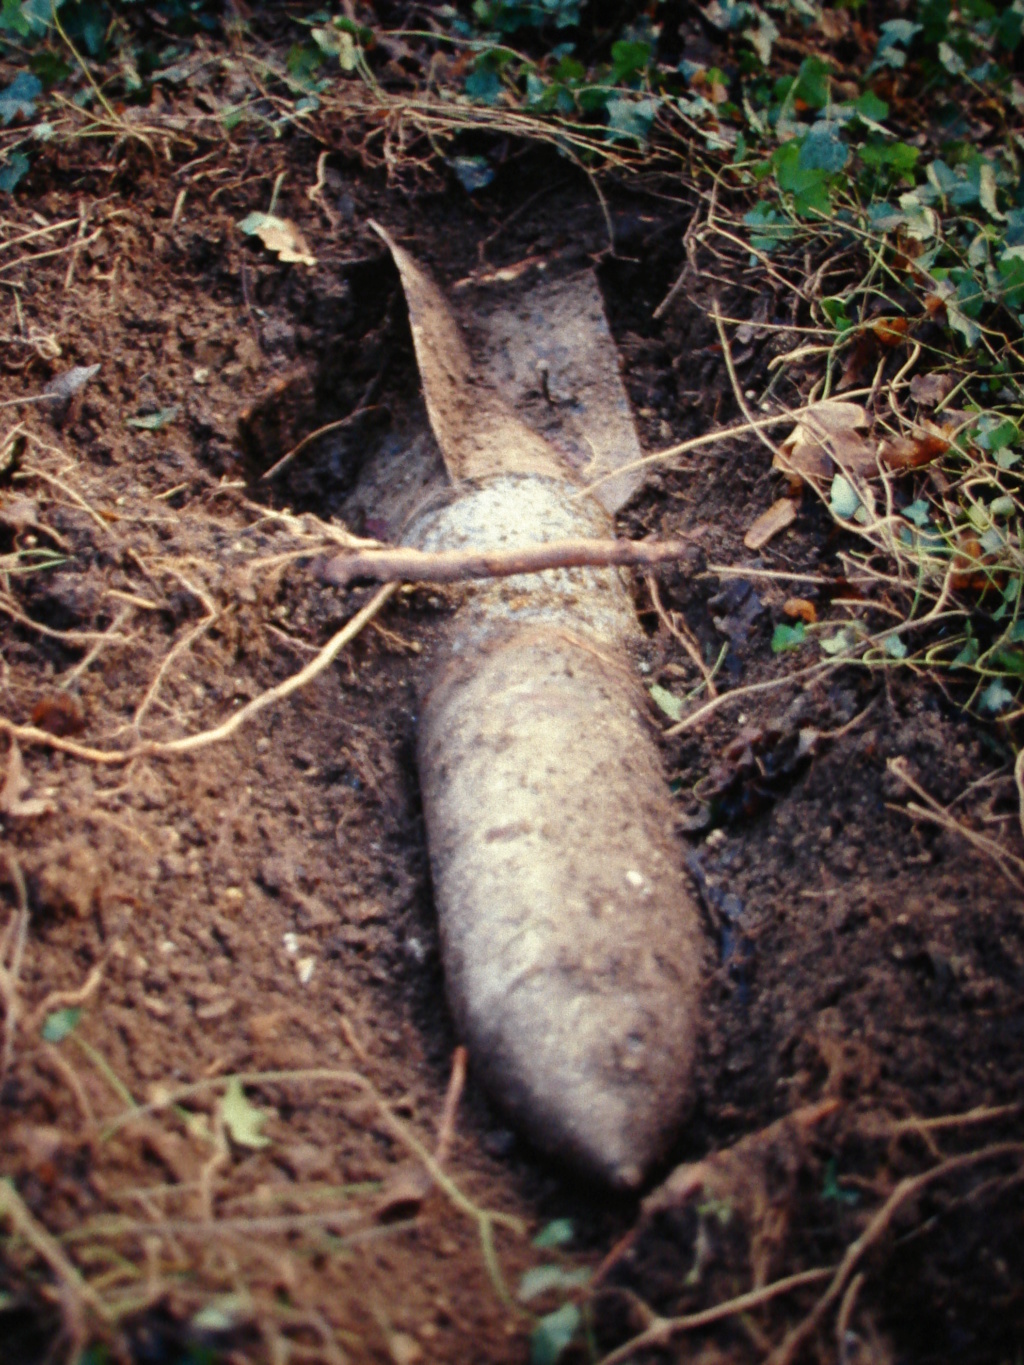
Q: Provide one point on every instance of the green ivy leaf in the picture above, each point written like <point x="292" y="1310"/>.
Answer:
<point x="668" y="703"/>
<point x="629" y="59"/>
<point x="558" y="1233"/>
<point x="553" y="1334"/>
<point x="474" y="172"/>
<point x="823" y="149"/>
<point x="1012" y="660"/>
<point x="770" y="227"/>
<point x="840" y="643"/>
<point x="153" y="421"/>
<point x="540" y="1279"/>
<point x="20" y="97"/>
<point x="843" y="498"/>
<point x="484" y="84"/>
<point x="951" y="60"/>
<point x="871" y="106"/>
<point x="813" y="82"/>
<point x="968" y="655"/>
<point x="59" y="1024"/>
<point x="631" y="118"/>
<point x="788" y="637"/>
<point x="995" y="698"/>
<point x="894" y="647"/>
<point x="13" y="19"/>
<point x="242" y="1119"/>
<point x="14" y="169"/>
<point x="835" y="310"/>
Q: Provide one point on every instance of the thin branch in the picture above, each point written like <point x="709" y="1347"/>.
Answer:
<point x="1011" y="866"/>
<point x="662" y="1330"/>
<point x="981" y="1114"/>
<point x="31" y="734"/>
<point x="76" y="1292"/>
<point x="403" y="565"/>
<point x="711" y="438"/>
<point x="906" y="1190"/>
<point x="342" y="422"/>
<point x="15" y="936"/>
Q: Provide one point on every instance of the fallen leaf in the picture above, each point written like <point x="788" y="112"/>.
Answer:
<point x="671" y="705"/>
<point x="929" y="389"/>
<point x="826" y="435"/>
<point x="242" y="1119"/>
<point x="833" y="415"/>
<point x="153" y="421"/>
<point x="13" y="799"/>
<point x="280" y="236"/>
<point x="799" y="609"/>
<point x="66" y="385"/>
<point x="890" y="331"/>
<point x="59" y="714"/>
<point x="967" y="567"/>
<point x="862" y="356"/>
<point x="834" y="23"/>
<point x="19" y="512"/>
<point x="807" y="458"/>
<point x="781" y="514"/>
<point x="402" y="1194"/>
<point x="740" y="610"/>
<point x="910" y="452"/>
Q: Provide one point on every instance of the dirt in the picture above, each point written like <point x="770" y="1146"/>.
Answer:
<point x="262" y="904"/>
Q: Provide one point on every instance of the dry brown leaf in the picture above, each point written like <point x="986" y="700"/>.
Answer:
<point x="910" y="452"/>
<point x="834" y="23"/>
<point x="279" y="235"/>
<point x="890" y="331"/>
<point x="804" y="457"/>
<point x="800" y="609"/>
<point x="13" y="799"/>
<point x="19" y="512"/>
<point x="59" y="713"/>
<point x="828" y="435"/>
<point x="929" y="389"/>
<point x="968" y="564"/>
<point x="781" y="514"/>
<point x="861" y="357"/>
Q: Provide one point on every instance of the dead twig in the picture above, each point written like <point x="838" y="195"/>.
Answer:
<point x="455" y="566"/>
<point x="12" y="952"/>
<point x="661" y="1330"/>
<point x="80" y="1299"/>
<point x="710" y="438"/>
<point x="680" y="633"/>
<point x="1009" y="864"/>
<point x="31" y="734"/>
<point x="69" y="637"/>
<point x="339" y="425"/>
<point x="181" y="646"/>
<point x="905" y="1191"/>
<point x="60" y="1000"/>
<point x="752" y="689"/>
<point x="981" y="1114"/>
<point x="456" y="1085"/>
<point x="737" y="388"/>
